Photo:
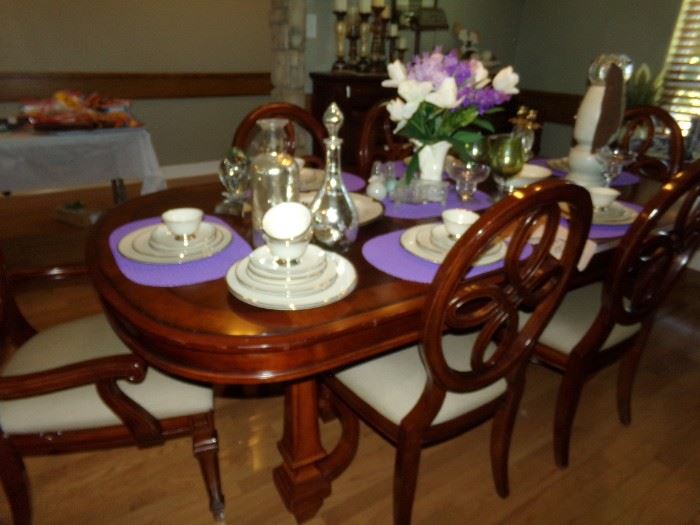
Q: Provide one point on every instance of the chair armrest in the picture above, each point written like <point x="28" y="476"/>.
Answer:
<point x="127" y="367"/>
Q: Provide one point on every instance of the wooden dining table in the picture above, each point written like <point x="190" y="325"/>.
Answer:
<point x="203" y="333"/>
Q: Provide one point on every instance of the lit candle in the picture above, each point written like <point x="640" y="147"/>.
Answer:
<point x="401" y="43"/>
<point x="341" y="5"/>
<point x="377" y="3"/>
<point x="393" y="29"/>
<point x="365" y="6"/>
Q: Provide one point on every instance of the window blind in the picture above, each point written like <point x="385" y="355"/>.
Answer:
<point x="681" y="87"/>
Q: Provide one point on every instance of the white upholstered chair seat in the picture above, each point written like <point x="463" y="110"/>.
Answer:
<point x="81" y="407"/>
<point x="392" y="384"/>
<point x="575" y="316"/>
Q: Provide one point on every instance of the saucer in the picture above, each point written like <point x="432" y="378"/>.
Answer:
<point x="344" y="281"/>
<point x="530" y="174"/>
<point x="614" y="214"/>
<point x="420" y="241"/>
<point x="137" y="245"/>
<point x="368" y="209"/>
<point x="162" y="240"/>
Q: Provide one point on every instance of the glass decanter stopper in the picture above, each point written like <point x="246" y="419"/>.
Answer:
<point x="335" y="219"/>
<point x="275" y="174"/>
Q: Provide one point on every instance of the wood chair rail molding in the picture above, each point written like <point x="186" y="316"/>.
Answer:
<point x="15" y="86"/>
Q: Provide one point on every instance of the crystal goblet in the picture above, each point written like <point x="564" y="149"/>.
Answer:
<point x="467" y="175"/>
<point x="614" y="160"/>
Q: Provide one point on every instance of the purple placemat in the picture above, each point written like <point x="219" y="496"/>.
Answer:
<point x="193" y="272"/>
<point x="605" y="231"/>
<point x="353" y="182"/>
<point x="624" y="179"/>
<point x="429" y="210"/>
<point x="385" y="253"/>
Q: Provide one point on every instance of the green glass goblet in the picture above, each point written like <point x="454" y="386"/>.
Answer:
<point x="506" y="158"/>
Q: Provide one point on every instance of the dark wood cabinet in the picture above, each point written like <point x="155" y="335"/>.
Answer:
<point x="355" y="94"/>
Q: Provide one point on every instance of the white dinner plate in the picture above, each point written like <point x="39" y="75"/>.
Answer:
<point x="137" y="246"/>
<point x="615" y="214"/>
<point x="368" y="209"/>
<point x="418" y="241"/>
<point x="344" y="283"/>
<point x="291" y="288"/>
<point x="529" y="174"/>
<point x="310" y="179"/>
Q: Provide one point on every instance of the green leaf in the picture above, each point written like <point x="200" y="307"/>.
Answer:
<point x="484" y="124"/>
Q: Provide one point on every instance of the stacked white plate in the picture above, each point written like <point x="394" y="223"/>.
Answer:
<point x="616" y="214"/>
<point x="156" y="244"/>
<point x="432" y="242"/>
<point x="318" y="278"/>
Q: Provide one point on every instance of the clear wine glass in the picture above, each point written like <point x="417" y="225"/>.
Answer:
<point x="467" y="175"/>
<point x="506" y="157"/>
<point x="614" y="160"/>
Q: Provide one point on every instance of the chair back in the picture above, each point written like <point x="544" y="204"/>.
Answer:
<point x="296" y="115"/>
<point x="531" y="276"/>
<point x="377" y="140"/>
<point x="642" y="123"/>
<point x="657" y="246"/>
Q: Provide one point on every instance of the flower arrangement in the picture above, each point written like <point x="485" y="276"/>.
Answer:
<point x="440" y="96"/>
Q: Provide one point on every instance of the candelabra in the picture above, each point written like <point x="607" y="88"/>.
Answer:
<point x="340" y="32"/>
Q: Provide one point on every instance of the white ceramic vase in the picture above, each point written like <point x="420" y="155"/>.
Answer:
<point x="431" y="160"/>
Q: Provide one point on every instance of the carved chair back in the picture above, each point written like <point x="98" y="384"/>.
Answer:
<point x="295" y="115"/>
<point x="642" y="123"/>
<point x="531" y="276"/>
<point x="658" y="245"/>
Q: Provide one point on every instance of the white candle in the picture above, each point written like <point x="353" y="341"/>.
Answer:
<point x="401" y="42"/>
<point x="377" y="3"/>
<point x="386" y="14"/>
<point x="365" y="6"/>
<point x="341" y="5"/>
<point x="402" y="5"/>
<point x="393" y="29"/>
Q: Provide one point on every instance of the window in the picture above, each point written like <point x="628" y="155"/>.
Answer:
<point x="681" y="87"/>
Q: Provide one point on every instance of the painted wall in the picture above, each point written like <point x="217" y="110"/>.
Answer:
<point x="152" y="36"/>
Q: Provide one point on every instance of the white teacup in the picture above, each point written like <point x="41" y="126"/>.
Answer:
<point x="183" y="222"/>
<point x="287" y="229"/>
<point x="602" y="196"/>
<point x="457" y="221"/>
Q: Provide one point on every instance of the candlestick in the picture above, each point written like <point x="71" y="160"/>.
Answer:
<point x="377" y="54"/>
<point x="353" y="24"/>
<point x="340" y="32"/>
<point x="363" y="64"/>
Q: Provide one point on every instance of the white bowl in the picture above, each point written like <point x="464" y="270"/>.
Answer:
<point x="457" y="221"/>
<point x="182" y="221"/>
<point x="602" y="196"/>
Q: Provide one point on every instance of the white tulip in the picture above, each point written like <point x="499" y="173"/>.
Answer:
<point x="506" y="81"/>
<point x="481" y="74"/>
<point x="445" y="96"/>
<point x="397" y="74"/>
<point x="413" y="91"/>
<point x="400" y="111"/>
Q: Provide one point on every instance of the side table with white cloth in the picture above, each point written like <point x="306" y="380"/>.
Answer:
<point x="69" y="159"/>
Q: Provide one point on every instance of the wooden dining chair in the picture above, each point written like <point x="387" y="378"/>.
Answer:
<point x="295" y="115"/>
<point x="639" y="127"/>
<point x="76" y="386"/>
<point x="469" y="364"/>
<point x="608" y="322"/>
<point x="377" y="140"/>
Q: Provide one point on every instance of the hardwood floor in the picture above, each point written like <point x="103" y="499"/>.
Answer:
<point x="646" y="473"/>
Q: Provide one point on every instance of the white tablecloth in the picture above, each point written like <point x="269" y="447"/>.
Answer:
<point x="45" y="161"/>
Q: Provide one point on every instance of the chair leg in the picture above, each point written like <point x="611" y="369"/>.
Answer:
<point x="205" y="446"/>
<point x="502" y="433"/>
<point x="625" y="379"/>
<point x="567" y="403"/>
<point x="15" y="482"/>
<point x="408" y="451"/>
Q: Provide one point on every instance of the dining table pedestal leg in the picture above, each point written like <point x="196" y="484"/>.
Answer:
<point x="299" y="480"/>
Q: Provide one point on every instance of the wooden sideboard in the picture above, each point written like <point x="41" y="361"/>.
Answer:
<point x="355" y="93"/>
